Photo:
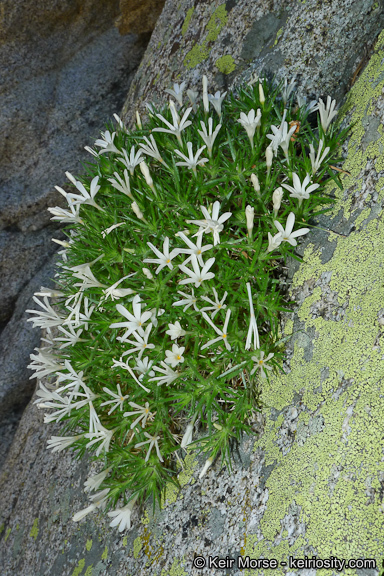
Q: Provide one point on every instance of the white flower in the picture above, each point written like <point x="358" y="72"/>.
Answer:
<point x="175" y="330"/>
<point x="118" y="399"/>
<point x="327" y="113"/>
<point x="144" y="367"/>
<point x="107" y="231"/>
<point x="63" y="215"/>
<point x="212" y="223"/>
<point x="274" y="242"/>
<point x="45" y="319"/>
<point x="299" y="190"/>
<point x="217" y="305"/>
<point x="189" y="300"/>
<point x="197" y="276"/>
<point x="207" y="464"/>
<point x="286" y="138"/>
<point x="163" y="259"/>
<point x="176" y="356"/>
<point x="260" y="363"/>
<point x="192" y="160"/>
<point x="151" y="149"/>
<point x="71" y="337"/>
<point x="147" y="273"/>
<point x="99" y="500"/>
<point x="168" y="377"/>
<point x="106" y="143"/>
<point x="193" y="96"/>
<point x="143" y="412"/>
<point x="120" y="184"/>
<point x="249" y="215"/>
<point x="252" y="325"/>
<point x="94" y="482"/>
<point x="194" y="249"/>
<point x="177" y="92"/>
<point x="187" y="438"/>
<point x="287" y="235"/>
<point x="255" y="182"/>
<point x="119" y="122"/>
<point x="178" y="126"/>
<point x="122" y="516"/>
<point x="59" y="443"/>
<point x="268" y="158"/>
<point x="153" y="441"/>
<point x="216" y="101"/>
<point x="261" y="94"/>
<point x="87" y="278"/>
<point x="316" y="163"/>
<point x="91" y="151"/>
<point x="85" y="196"/>
<point x="209" y="136"/>
<point x="133" y="160"/>
<point x="44" y="363"/>
<point x="250" y="122"/>
<point x="135" y="321"/>
<point x="115" y="293"/>
<point x="102" y="434"/>
<point x="126" y="366"/>
<point x="277" y="196"/>
<point x="222" y="333"/>
<point x="141" y="345"/>
<point x="205" y="94"/>
<point x="281" y="136"/>
<point x="138" y="120"/>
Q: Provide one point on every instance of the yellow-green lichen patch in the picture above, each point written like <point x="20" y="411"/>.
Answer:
<point x="35" y="530"/>
<point x="88" y="545"/>
<point x="278" y="34"/>
<point x="187" y="21"/>
<point x="200" y="52"/>
<point x="175" y="570"/>
<point x="9" y="530"/>
<point x="225" y="64"/>
<point x="104" y="555"/>
<point x="89" y="570"/>
<point x="137" y="546"/>
<point x="79" y="568"/>
<point x="184" y="476"/>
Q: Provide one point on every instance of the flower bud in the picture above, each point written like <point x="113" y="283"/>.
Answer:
<point x="187" y="438"/>
<point x="249" y="214"/>
<point x="147" y="273"/>
<point x="207" y="464"/>
<point x="137" y="211"/>
<point x="138" y="120"/>
<point x="261" y="94"/>
<point x="205" y="94"/>
<point x="255" y="182"/>
<point x="276" y="199"/>
<point x="269" y="158"/>
<point x="145" y="172"/>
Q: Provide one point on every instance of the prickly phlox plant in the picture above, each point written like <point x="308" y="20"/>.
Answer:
<point x="166" y="317"/>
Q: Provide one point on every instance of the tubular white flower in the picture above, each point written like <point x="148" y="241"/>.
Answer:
<point x="163" y="259"/>
<point x="121" y="185"/>
<point x="137" y="211"/>
<point x="222" y="333"/>
<point x="71" y="216"/>
<point x="317" y="162"/>
<point x="250" y="123"/>
<point x="269" y="158"/>
<point x="207" y="464"/>
<point x="252" y="325"/>
<point x="187" y="438"/>
<point x="107" y="231"/>
<point x="287" y="235"/>
<point x="133" y="160"/>
<point x="106" y="143"/>
<point x="300" y="190"/>
<point x="147" y="273"/>
<point x="249" y="215"/>
<point x="208" y="136"/>
<point x="205" y="94"/>
<point x="94" y="482"/>
<point x="168" y="377"/>
<point x="192" y="160"/>
<point x="177" y="92"/>
<point x="145" y="172"/>
<point x="327" y="113"/>
<point x="151" y="149"/>
<point x="261" y="94"/>
<point x="122" y="516"/>
<point x="99" y="500"/>
<point x="255" y="182"/>
<point x="117" y="399"/>
<point x="138" y="121"/>
<point x="119" y="122"/>
<point x="288" y="89"/>
<point x="101" y="434"/>
<point x="216" y="101"/>
<point x="274" y="242"/>
<point x="59" y="443"/>
<point x="178" y="126"/>
<point x="212" y="223"/>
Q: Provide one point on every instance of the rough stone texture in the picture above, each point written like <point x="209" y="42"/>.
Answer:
<point x="313" y="482"/>
<point x="323" y="44"/>
<point x="64" y="71"/>
<point x="138" y="16"/>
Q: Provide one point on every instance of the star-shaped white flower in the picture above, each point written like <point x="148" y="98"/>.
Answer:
<point x="141" y="345"/>
<point x="189" y="300"/>
<point x="177" y="92"/>
<point x="135" y="320"/>
<point x="317" y="162"/>
<point x="209" y="136"/>
<point x="163" y="259"/>
<point x="212" y="223"/>
<point x="327" y="113"/>
<point x="121" y="185"/>
<point x="194" y="249"/>
<point x="222" y="333"/>
<point x="178" y="126"/>
<point x="122" y="516"/>
<point x="175" y="330"/>
<point x="216" y="305"/>
<point x="287" y="235"/>
<point x="151" y="149"/>
<point x="153" y="441"/>
<point x="118" y="399"/>
<point x="143" y="412"/>
<point x="216" y="101"/>
<point x="196" y="275"/>
<point x="106" y="143"/>
<point x="250" y="123"/>
<point x="191" y="161"/>
<point x="175" y="356"/>
<point x="133" y="160"/>
<point x="299" y="190"/>
<point x="168" y="377"/>
<point x="260" y="363"/>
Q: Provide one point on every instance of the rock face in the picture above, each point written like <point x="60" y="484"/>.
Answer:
<point x="312" y="483"/>
<point x="137" y="16"/>
<point x="65" y="69"/>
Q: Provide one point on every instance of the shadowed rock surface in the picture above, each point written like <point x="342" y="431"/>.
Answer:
<point x="312" y="483"/>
